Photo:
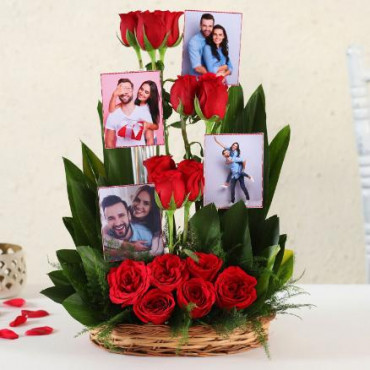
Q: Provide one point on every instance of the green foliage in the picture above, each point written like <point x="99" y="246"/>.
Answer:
<point x="58" y="293"/>
<point x="236" y="239"/>
<point x="209" y="237"/>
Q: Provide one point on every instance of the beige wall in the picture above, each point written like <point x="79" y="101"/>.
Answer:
<point x="51" y="55"/>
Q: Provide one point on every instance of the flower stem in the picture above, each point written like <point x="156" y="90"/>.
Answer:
<point x="188" y="154"/>
<point x="152" y="58"/>
<point x="162" y="53"/>
<point x="186" y="221"/>
<point x="139" y="58"/>
<point x="166" y="146"/>
<point x="209" y="127"/>
<point x="170" y="223"/>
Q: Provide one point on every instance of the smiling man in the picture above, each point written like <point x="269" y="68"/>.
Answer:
<point x="197" y="43"/>
<point x="126" y="113"/>
<point x="120" y="234"/>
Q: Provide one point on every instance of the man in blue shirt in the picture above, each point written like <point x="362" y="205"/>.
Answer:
<point x="197" y="43"/>
<point x="120" y="235"/>
<point x="234" y="164"/>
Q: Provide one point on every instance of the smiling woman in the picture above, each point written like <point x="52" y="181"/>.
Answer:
<point x="131" y="222"/>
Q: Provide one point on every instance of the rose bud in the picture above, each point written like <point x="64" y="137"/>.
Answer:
<point x="183" y="91"/>
<point x="157" y="164"/>
<point x="172" y="20"/>
<point x="212" y="95"/>
<point x="128" y="26"/>
<point x="194" y="179"/>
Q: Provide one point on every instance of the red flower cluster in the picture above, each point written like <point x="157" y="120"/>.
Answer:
<point x="178" y="182"/>
<point x="210" y="90"/>
<point x="160" y="28"/>
<point x="21" y="319"/>
<point x="156" y="288"/>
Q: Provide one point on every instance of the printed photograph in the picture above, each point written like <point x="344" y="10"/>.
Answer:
<point x="233" y="169"/>
<point x="212" y="44"/>
<point x="131" y="222"/>
<point x="132" y="109"/>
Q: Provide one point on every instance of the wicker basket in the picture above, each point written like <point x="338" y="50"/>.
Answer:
<point x="156" y="340"/>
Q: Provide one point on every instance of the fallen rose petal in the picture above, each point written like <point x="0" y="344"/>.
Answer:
<point x="42" y="330"/>
<point x="19" y="320"/>
<point x="8" y="334"/>
<point x="34" y="314"/>
<point x="16" y="302"/>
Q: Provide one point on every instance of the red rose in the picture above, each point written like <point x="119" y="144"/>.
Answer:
<point x="154" y="26"/>
<point x="157" y="164"/>
<point x="198" y="291"/>
<point x="207" y="267"/>
<point x="212" y="95"/>
<point x="235" y="288"/>
<point x="167" y="272"/>
<point x="183" y="90"/>
<point x="170" y="184"/>
<point x="128" y="282"/>
<point x="193" y="176"/>
<point x="155" y="306"/>
<point x="128" y="23"/>
<point x="172" y="19"/>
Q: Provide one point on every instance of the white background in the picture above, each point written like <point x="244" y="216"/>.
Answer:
<point x="216" y="171"/>
<point x="52" y="54"/>
<point x="232" y="24"/>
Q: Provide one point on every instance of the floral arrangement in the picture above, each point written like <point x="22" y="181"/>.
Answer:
<point x="224" y="268"/>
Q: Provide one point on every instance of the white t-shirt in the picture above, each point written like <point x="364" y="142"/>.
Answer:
<point x="117" y="119"/>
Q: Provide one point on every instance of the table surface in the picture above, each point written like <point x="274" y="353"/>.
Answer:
<point x="333" y="335"/>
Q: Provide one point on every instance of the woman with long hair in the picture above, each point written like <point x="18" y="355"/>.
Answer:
<point x="216" y="52"/>
<point x="145" y="211"/>
<point x="148" y="96"/>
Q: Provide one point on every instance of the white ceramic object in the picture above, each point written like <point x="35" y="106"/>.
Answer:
<point x="12" y="270"/>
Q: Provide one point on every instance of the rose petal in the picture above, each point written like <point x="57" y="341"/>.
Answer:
<point x="16" y="302"/>
<point x="34" y="314"/>
<point x="42" y="330"/>
<point x="19" y="320"/>
<point x="8" y="334"/>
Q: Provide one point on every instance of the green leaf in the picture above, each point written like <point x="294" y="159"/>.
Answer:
<point x="175" y="124"/>
<point x="73" y="269"/>
<point x="201" y="152"/>
<point x="278" y="149"/>
<point x="266" y="234"/>
<point x="93" y="167"/>
<point x="82" y="200"/>
<point x="96" y="270"/>
<point x="191" y="254"/>
<point x="270" y="254"/>
<point x="117" y="162"/>
<point x="58" y="278"/>
<point x="279" y="257"/>
<point x="80" y="311"/>
<point x="131" y="38"/>
<point x="286" y="268"/>
<point x="58" y="293"/>
<point x="205" y="224"/>
<point x="69" y="224"/>
<point x="236" y="239"/>
<point x="233" y="120"/>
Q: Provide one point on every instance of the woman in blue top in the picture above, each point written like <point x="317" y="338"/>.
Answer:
<point x="216" y="52"/>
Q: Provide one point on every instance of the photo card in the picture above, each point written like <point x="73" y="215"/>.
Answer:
<point x="233" y="169"/>
<point x="132" y="109"/>
<point x="212" y="42"/>
<point x="131" y="222"/>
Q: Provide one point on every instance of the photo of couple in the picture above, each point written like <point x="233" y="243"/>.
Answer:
<point x="131" y="222"/>
<point x="212" y="44"/>
<point x="233" y="159"/>
<point x="132" y="109"/>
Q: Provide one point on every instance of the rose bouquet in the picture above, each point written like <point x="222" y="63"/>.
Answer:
<point x="227" y="270"/>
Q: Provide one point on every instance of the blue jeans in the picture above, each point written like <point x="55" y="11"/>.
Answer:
<point x="228" y="179"/>
<point x="242" y="186"/>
